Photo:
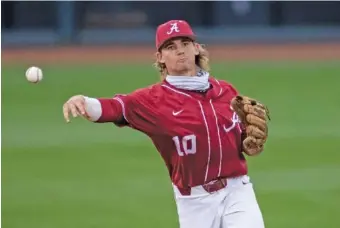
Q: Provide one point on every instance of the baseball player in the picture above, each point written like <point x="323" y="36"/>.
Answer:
<point x="201" y="127"/>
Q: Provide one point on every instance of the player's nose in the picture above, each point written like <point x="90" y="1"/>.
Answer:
<point x="180" y="51"/>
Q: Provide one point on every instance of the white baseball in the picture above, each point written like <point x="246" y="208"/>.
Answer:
<point x="34" y="74"/>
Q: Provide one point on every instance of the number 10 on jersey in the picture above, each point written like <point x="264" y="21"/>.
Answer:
<point x="186" y="145"/>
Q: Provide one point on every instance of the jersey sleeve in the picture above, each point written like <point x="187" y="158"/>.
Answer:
<point x="137" y="110"/>
<point x="110" y="111"/>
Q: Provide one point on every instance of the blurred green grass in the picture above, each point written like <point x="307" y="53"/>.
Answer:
<point x="96" y="175"/>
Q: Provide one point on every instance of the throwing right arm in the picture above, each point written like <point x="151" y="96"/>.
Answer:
<point x="136" y="110"/>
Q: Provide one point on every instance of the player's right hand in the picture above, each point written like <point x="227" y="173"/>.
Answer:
<point x="76" y="106"/>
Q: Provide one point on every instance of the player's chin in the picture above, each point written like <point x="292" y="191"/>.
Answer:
<point x="183" y="65"/>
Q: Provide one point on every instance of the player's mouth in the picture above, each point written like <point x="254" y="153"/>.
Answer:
<point x="182" y="60"/>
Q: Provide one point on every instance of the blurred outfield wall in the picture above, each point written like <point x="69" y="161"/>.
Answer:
<point x="91" y="23"/>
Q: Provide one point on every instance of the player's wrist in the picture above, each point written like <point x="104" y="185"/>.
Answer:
<point x="93" y="108"/>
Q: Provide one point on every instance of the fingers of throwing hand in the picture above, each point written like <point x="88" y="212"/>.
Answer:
<point x="66" y="112"/>
<point x="75" y="106"/>
<point x="80" y="106"/>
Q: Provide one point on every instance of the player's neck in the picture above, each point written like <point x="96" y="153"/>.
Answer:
<point x="198" y="83"/>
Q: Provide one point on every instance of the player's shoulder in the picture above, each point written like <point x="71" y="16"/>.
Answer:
<point x="147" y="94"/>
<point x="227" y="87"/>
<point x="147" y="91"/>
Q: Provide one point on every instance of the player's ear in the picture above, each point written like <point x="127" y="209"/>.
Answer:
<point x="197" y="48"/>
<point x="159" y="57"/>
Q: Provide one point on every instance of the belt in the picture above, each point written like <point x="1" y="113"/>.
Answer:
<point x="211" y="187"/>
<point x="215" y="185"/>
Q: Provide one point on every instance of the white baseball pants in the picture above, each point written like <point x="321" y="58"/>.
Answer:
<point x="234" y="206"/>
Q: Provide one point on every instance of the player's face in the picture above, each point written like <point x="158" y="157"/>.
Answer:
<point x="178" y="55"/>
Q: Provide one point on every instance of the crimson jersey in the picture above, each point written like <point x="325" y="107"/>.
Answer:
<point x="197" y="134"/>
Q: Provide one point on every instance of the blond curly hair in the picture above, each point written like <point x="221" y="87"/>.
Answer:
<point x="201" y="60"/>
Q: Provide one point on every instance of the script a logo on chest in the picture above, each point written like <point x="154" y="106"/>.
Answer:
<point x="228" y="119"/>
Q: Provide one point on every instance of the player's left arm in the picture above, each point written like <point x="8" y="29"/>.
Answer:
<point x="254" y="118"/>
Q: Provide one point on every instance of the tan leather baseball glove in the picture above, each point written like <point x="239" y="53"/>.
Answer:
<point x="254" y="117"/>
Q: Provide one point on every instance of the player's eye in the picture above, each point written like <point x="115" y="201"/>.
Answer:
<point x="186" y="43"/>
<point x="170" y="47"/>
